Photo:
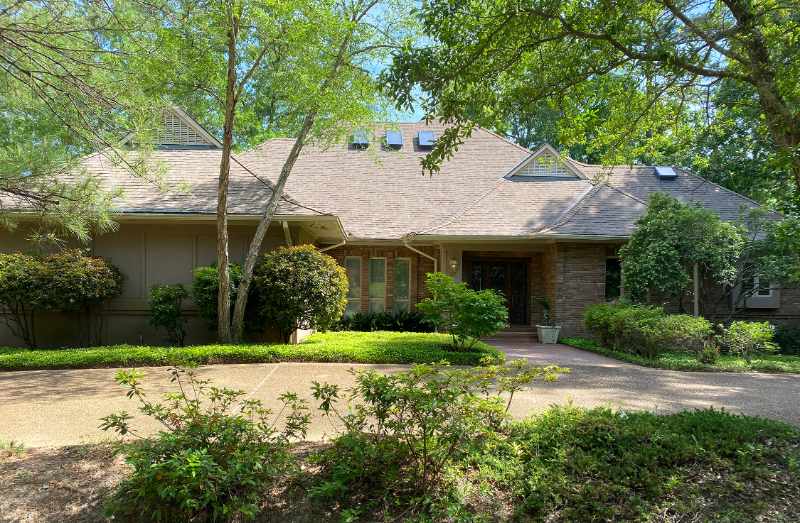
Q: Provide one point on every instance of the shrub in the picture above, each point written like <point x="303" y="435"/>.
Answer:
<point x="299" y="288"/>
<point x="466" y="314"/>
<point x="165" y="311"/>
<point x="710" y="353"/>
<point x="205" y="291"/>
<point x="646" y="330"/>
<point x="212" y="460"/>
<point x="21" y="294"/>
<point x="684" y="333"/>
<point x="747" y="339"/>
<point x="400" y="432"/>
<point x="788" y="339"/>
<point x="546" y="310"/>
<point x="402" y="321"/>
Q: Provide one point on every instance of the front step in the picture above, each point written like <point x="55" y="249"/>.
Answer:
<point x="515" y="333"/>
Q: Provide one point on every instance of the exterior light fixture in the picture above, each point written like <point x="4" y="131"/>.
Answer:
<point x="453" y="265"/>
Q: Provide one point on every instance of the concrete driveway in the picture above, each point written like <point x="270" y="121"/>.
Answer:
<point x="62" y="407"/>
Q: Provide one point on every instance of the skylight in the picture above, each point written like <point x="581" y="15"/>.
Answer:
<point x="426" y="139"/>
<point x="360" y="138"/>
<point x="665" y="174"/>
<point x="394" y="139"/>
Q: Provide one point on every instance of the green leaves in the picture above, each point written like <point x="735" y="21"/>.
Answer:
<point x="464" y="313"/>
<point x="165" y="311"/>
<point x="299" y="288"/>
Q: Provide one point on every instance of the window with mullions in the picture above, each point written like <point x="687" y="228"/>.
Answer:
<point x="613" y="279"/>
<point x="352" y="269"/>
<point x="402" y="285"/>
<point x="377" y="285"/>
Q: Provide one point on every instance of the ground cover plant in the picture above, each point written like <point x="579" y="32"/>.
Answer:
<point x="349" y="347"/>
<point x="684" y="361"/>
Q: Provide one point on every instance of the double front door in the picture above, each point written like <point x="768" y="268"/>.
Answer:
<point x="508" y="277"/>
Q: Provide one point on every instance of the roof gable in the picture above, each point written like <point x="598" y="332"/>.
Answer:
<point x="180" y="129"/>
<point x="545" y="163"/>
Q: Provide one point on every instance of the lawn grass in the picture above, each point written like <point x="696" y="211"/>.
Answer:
<point x="671" y="360"/>
<point x="347" y="347"/>
<point x="574" y="464"/>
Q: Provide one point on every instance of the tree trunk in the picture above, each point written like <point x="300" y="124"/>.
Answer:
<point x="224" y="298"/>
<point x="277" y="193"/>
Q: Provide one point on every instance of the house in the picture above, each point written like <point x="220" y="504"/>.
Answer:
<point x="528" y="223"/>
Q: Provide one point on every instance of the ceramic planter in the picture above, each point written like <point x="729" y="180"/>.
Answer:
<point x="548" y="333"/>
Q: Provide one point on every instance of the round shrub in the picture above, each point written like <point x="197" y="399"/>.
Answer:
<point x="299" y="288"/>
<point x="205" y="291"/>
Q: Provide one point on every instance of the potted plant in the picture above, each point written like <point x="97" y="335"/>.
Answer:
<point x="548" y="333"/>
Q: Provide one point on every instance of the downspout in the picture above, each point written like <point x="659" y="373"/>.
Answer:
<point x="435" y="261"/>
<point x="333" y="246"/>
<point x="287" y="233"/>
<point x="696" y="282"/>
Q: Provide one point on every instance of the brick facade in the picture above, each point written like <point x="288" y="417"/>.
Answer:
<point x="420" y="267"/>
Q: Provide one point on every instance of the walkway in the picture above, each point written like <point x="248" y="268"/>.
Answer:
<point x="60" y="407"/>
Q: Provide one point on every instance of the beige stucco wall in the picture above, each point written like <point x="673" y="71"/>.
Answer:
<point x="148" y="253"/>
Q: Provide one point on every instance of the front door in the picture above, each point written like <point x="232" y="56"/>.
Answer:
<point x="509" y="278"/>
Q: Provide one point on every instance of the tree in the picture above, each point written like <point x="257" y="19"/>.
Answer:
<point x="314" y="61"/>
<point x="299" y="288"/>
<point x="465" y="313"/>
<point x="487" y="56"/>
<point x="67" y="89"/>
<point x="672" y="237"/>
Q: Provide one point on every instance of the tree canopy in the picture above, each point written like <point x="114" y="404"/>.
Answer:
<point x="666" y="72"/>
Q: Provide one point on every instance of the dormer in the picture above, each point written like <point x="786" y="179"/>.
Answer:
<point x="178" y="129"/>
<point x="545" y="164"/>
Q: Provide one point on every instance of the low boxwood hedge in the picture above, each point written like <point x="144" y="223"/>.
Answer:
<point x="346" y="347"/>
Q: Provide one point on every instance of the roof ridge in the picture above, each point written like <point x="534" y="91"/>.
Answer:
<point x="573" y="209"/>
<point x="472" y="203"/>
<point x="285" y="197"/>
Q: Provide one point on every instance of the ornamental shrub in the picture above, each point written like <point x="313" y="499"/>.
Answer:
<point x="788" y="339"/>
<point x="401" y="432"/>
<point x="402" y="321"/>
<point x="465" y="313"/>
<point x="213" y="460"/>
<point x="299" y="288"/>
<point x="747" y="339"/>
<point x="684" y="333"/>
<point x="165" y="311"/>
<point x="21" y="292"/>
<point x="80" y="286"/>
<point x="205" y="291"/>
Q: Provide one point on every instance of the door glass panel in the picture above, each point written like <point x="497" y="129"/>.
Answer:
<point x="613" y="278"/>
<point x="352" y="269"/>
<point x="477" y="275"/>
<point x="518" y="294"/>
<point x="377" y="278"/>
<point x="401" y="279"/>
<point x="497" y="278"/>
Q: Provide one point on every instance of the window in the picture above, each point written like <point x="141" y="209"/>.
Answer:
<point x="402" y="285"/>
<point x="377" y="284"/>
<point x="613" y="279"/>
<point x="352" y="269"/>
<point x="545" y="165"/>
<point x="764" y="291"/>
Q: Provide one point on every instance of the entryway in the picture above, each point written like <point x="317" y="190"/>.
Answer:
<point x="509" y="276"/>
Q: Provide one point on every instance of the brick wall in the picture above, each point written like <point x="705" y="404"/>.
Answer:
<point x="578" y="281"/>
<point x="420" y="267"/>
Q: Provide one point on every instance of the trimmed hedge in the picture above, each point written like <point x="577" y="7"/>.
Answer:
<point x="345" y="347"/>
<point x="682" y="361"/>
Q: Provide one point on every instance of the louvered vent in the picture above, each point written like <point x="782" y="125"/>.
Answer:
<point x="545" y="165"/>
<point x="177" y="132"/>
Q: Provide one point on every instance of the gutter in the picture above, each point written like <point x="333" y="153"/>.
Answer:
<point x="333" y="246"/>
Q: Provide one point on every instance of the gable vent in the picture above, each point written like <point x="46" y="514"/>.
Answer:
<point x="545" y="165"/>
<point x="177" y="132"/>
<point x="665" y="174"/>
